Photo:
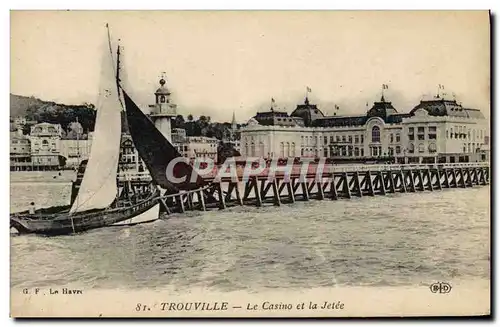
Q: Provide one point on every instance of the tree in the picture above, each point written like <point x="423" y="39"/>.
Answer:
<point x="178" y="122"/>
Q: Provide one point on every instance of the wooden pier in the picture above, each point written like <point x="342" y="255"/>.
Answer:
<point x="334" y="183"/>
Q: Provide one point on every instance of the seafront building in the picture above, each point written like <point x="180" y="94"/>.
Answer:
<point x="20" y="151"/>
<point x="46" y="146"/>
<point x="437" y="130"/>
<point x="46" y="149"/>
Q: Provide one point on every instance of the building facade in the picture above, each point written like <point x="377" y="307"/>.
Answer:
<point x="129" y="157"/>
<point x="20" y="151"/>
<point x="75" y="151"/>
<point x="199" y="147"/>
<point x="436" y="130"/>
<point x="46" y="146"/>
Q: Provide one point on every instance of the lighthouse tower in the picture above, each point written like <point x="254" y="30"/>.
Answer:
<point x="163" y="110"/>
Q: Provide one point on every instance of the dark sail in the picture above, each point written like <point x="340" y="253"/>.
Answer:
<point x="157" y="152"/>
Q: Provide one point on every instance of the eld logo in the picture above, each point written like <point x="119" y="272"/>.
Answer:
<point x="440" y="287"/>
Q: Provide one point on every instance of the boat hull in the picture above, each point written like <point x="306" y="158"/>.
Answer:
<point x="146" y="217"/>
<point x="63" y="223"/>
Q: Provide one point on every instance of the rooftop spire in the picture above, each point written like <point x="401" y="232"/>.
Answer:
<point x="233" y="122"/>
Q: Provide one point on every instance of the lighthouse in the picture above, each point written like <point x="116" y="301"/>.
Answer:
<point x="163" y="110"/>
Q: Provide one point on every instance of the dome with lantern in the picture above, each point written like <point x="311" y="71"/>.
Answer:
<point x="162" y="90"/>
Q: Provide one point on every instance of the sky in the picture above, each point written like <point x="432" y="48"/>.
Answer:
<point x="217" y="62"/>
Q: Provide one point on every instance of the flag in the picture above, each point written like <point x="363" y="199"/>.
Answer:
<point x="309" y="89"/>
<point x="272" y="100"/>
<point x="385" y="86"/>
<point x="441" y="86"/>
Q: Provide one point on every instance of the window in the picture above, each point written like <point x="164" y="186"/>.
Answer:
<point x="362" y="138"/>
<point x="421" y="133"/>
<point x="350" y="151"/>
<point x="375" y="134"/>
<point x="432" y="133"/>
<point x="325" y="152"/>
<point x="391" y="150"/>
<point x="392" y="138"/>
<point x="45" y="142"/>
<point x="325" y="139"/>
<point x="432" y="148"/>
<point x="411" y="148"/>
<point x="293" y="149"/>
<point x="162" y="99"/>
<point x="362" y="152"/>
<point x="331" y="139"/>
<point x="343" y="138"/>
<point x="411" y="130"/>
<point x="356" y="139"/>
<point x="398" y="138"/>
<point x="350" y="138"/>
<point x="398" y="149"/>
<point x="356" y="152"/>
<point x="301" y="152"/>
<point x="338" y="138"/>
<point x="421" y="148"/>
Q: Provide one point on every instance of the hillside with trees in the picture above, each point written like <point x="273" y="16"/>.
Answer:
<point x="37" y="111"/>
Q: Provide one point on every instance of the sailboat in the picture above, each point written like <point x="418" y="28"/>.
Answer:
<point x="98" y="201"/>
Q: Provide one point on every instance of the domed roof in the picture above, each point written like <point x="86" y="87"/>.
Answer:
<point x="382" y="109"/>
<point x="162" y="89"/>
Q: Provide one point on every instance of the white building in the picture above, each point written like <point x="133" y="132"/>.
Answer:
<point x="199" y="147"/>
<point x="75" y="151"/>
<point x="435" y="130"/>
<point x="20" y="151"/>
<point x="45" y="146"/>
<point x="129" y="157"/>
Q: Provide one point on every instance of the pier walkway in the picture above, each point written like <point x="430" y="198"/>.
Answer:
<point x="332" y="182"/>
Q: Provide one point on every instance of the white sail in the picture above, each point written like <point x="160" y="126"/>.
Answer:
<point x="99" y="187"/>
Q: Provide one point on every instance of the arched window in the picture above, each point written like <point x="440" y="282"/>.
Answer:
<point x="45" y="142"/>
<point x="411" y="148"/>
<point x="356" y="152"/>
<point x="162" y="99"/>
<point x="421" y="147"/>
<point x="375" y="134"/>
<point x="432" y="148"/>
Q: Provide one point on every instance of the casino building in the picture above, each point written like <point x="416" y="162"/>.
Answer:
<point x="436" y="130"/>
